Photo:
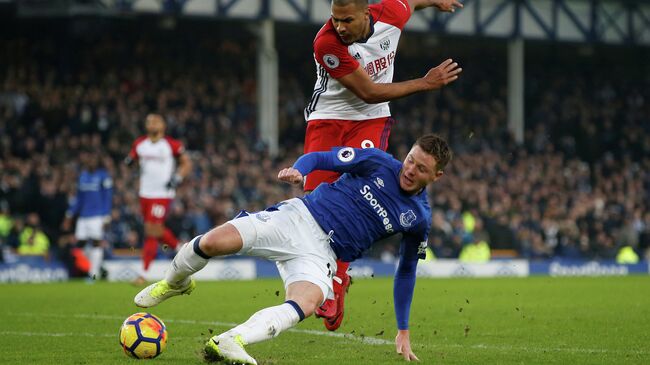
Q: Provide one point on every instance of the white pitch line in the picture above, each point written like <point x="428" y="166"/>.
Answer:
<point x="363" y="339"/>
<point x="546" y="349"/>
<point x="67" y="334"/>
<point x="54" y="334"/>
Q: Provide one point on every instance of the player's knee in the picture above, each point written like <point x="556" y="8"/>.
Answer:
<point x="307" y="295"/>
<point x="223" y="240"/>
<point x="153" y="229"/>
<point x="308" y="305"/>
<point x="208" y="243"/>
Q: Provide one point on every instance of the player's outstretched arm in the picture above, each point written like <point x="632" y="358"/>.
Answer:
<point x="403" y="345"/>
<point x="442" y="5"/>
<point x="403" y="288"/>
<point x="370" y="92"/>
<point x="291" y="176"/>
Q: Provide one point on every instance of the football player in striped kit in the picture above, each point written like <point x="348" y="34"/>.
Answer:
<point x="355" y="58"/>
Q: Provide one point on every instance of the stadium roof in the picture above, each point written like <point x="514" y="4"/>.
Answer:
<point x="606" y="21"/>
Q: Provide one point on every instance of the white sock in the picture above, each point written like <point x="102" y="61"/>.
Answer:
<point x="187" y="261"/>
<point x="268" y="323"/>
<point x="96" y="257"/>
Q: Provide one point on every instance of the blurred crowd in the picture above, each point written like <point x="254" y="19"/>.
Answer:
<point x="578" y="187"/>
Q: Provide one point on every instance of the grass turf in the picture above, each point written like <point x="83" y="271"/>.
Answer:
<point x="538" y="320"/>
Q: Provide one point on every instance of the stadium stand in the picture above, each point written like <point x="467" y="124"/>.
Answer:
<point x="577" y="187"/>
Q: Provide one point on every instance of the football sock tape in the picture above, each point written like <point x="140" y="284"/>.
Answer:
<point x="197" y="249"/>
<point x="295" y="306"/>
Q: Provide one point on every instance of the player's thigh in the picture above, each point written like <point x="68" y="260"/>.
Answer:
<point x="266" y="234"/>
<point x="373" y="133"/>
<point x="323" y="134"/>
<point x="81" y="229"/>
<point x="96" y="228"/>
<point x="89" y="228"/>
<point x="314" y="261"/>
<point x="314" y="270"/>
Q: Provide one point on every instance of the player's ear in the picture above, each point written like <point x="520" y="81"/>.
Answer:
<point x="437" y="175"/>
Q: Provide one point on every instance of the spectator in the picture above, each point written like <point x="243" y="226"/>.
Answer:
<point x="576" y="188"/>
<point x="32" y="239"/>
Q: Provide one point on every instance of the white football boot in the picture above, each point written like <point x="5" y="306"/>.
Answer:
<point x="160" y="291"/>
<point x="227" y="349"/>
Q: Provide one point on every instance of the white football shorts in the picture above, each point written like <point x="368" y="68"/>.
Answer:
<point x="89" y="228"/>
<point x="293" y="239"/>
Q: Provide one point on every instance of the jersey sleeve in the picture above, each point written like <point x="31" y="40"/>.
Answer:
<point x="107" y="194"/>
<point x="133" y="153"/>
<point x="360" y="161"/>
<point x="176" y="145"/>
<point x="395" y="12"/>
<point x="333" y="56"/>
<point x="412" y="248"/>
<point x="74" y="203"/>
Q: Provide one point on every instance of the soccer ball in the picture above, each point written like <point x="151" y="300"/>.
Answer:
<point x="143" y="336"/>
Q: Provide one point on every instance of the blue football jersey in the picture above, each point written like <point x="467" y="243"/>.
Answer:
<point x="94" y="194"/>
<point x="366" y="203"/>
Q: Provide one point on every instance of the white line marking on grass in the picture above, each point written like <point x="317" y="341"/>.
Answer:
<point x="54" y="334"/>
<point x="67" y="334"/>
<point x="513" y="349"/>
<point x="552" y="349"/>
<point x="363" y="339"/>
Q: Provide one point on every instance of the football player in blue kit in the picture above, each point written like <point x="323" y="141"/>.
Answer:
<point x="377" y="196"/>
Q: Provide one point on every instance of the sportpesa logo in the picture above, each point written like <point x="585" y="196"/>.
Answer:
<point x="381" y="212"/>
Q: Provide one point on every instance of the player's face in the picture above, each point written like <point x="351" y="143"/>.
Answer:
<point x="350" y="21"/>
<point x="154" y="125"/>
<point x="92" y="161"/>
<point x="418" y="171"/>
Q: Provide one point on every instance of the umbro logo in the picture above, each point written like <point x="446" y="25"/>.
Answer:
<point x="379" y="182"/>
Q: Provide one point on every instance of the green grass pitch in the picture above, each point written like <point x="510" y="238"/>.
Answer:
<point x="539" y="320"/>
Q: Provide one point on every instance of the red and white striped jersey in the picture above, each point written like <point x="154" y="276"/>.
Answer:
<point x="335" y="59"/>
<point x="157" y="165"/>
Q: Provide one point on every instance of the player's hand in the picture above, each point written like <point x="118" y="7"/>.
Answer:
<point x="290" y="175"/>
<point x="174" y="181"/>
<point x="447" y="5"/>
<point x="403" y="345"/>
<point x="442" y="75"/>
